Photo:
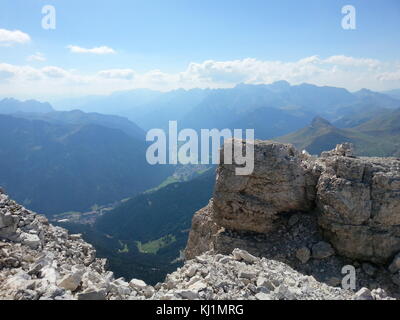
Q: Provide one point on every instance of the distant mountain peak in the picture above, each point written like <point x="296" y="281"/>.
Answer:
<point x="280" y="85"/>
<point x="319" y="122"/>
<point x="365" y="90"/>
<point x="8" y="100"/>
<point x="11" y="105"/>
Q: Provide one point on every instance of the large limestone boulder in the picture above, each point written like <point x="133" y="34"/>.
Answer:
<point x="281" y="182"/>
<point x="359" y="204"/>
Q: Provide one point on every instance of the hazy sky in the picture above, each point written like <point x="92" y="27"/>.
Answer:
<point x="101" y="46"/>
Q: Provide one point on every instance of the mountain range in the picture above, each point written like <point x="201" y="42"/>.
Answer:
<point x="78" y="117"/>
<point x="272" y="110"/>
<point x="10" y="105"/>
<point x="69" y="162"/>
<point x="379" y="136"/>
<point x="102" y="154"/>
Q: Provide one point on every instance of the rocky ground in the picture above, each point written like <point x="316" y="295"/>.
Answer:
<point x="243" y="276"/>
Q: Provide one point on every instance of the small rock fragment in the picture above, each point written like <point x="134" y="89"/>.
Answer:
<point x="364" y="294"/>
<point x="322" y="250"/>
<point x="303" y="254"/>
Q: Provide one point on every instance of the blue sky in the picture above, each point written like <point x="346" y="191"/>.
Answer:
<point x="163" y="41"/>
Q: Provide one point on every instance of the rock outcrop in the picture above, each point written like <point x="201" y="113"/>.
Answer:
<point x="359" y="206"/>
<point x="281" y="182"/>
<point x="354" y="203"/>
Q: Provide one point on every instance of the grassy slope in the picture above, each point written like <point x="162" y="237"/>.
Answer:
<point x="144" y="236"/>
<point x="377" y="137"/>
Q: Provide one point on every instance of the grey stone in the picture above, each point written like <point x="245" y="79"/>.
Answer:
<point x="137" y="284"/>
<point x="71" y="281"/>
<point x="244" y="255"/>
<point x="303" y="254"/>
<point x="364" y="294"/>
<point x="395" y="265"/>
<point x="31" y="240"/>
<point x="334" y="281"/>
<point x="265" y="283"/>
<point x="187" y="294"/>
<point x="92" y="295"/>
<point x="247" y="275"/>
<point x="263" y="296"/>
<point x="192" y="271"/>
<point x="322" y="250"/>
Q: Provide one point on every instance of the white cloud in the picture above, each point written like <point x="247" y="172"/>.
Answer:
<point x="127" y="74"/>
<point x="11" y="37"/>
<point x="20" y="73"/>
<point x="350" y="61"/>
<point x="4" y="75"/>
<point x="96" y="50"/>
<point x="54" y="72"/>
<point x="38" y="56"/>
<point x="340" y="71"/>
<point x="390" y="76"/>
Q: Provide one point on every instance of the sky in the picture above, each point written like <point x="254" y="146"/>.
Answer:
<point x="98" y="46"/>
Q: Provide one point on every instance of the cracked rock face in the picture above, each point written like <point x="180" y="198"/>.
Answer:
<point x="359" y="202"/>
<point x="281" y="182"/>
<point x="203" y="232"/>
